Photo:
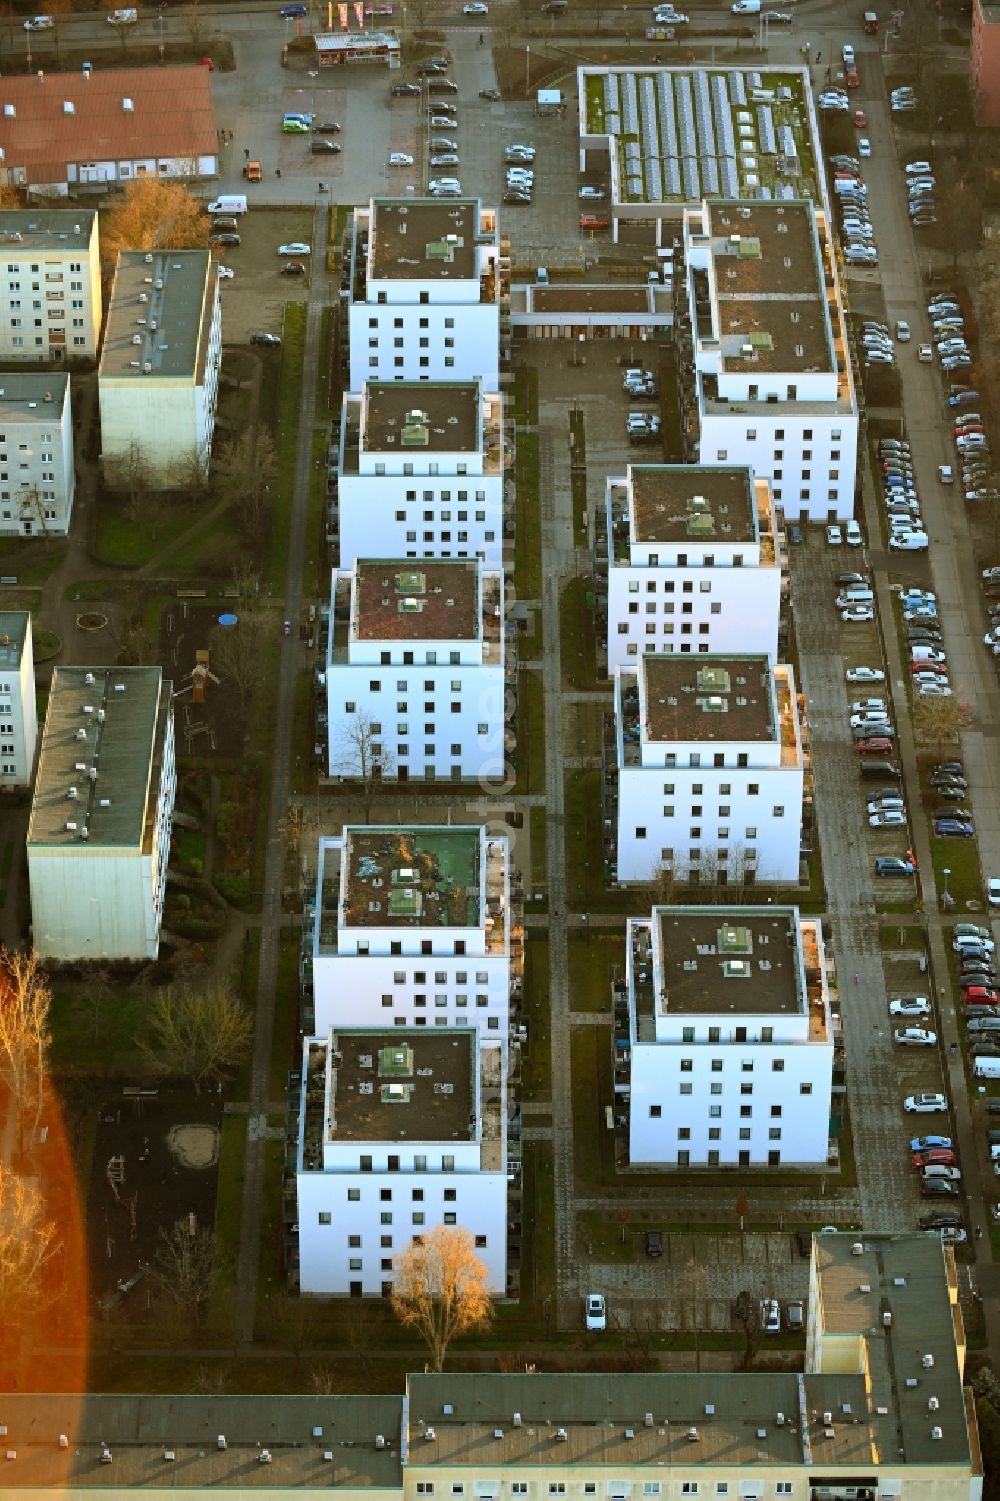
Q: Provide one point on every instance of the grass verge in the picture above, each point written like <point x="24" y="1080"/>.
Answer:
<point x="527" y="518"/>
<point x="596" y="956"/>
<point x="577" y="635"/>
<point x="530" y="732"/>
<point x="537" y="1066"/>
<point x="286" y="435"/>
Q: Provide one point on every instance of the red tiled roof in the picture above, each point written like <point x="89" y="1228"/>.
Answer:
<point x="172" y="116"/>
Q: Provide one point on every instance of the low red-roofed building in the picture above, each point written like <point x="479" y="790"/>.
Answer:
<point x="63" y="131"/>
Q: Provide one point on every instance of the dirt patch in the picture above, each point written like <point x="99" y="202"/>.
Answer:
<point x="155" y="1162"/>
<point x="215" y="722"/>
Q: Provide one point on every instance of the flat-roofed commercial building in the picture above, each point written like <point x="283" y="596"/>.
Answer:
<point x="421" y="472"/>
<point x="729" y="1056"/>
<point x="99" y="833"/>
<point x="773" y="388"/>
<point x="415" y="671"/>
<point x="414" y="927"/>
<point x="18" y="709"/>
<point x="50" y="285"/>
<point x="880" y="1410"/>
<point x="37" y="463"/>
<point x="693" y="562"/>
<point x="426" y="294"/>
<point x="159" y="374"/>
<point x="710" y="770"/>
<point x="399" y="1131"/>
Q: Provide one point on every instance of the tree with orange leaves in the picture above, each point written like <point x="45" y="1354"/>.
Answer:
<point x="28" y="1243"/>
<point x="440" y="1289"/>
<point x="25" y="999"/>
<point x="153" y="215"/>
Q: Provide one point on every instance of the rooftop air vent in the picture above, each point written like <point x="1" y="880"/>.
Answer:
<point x="561" y="1436"/>
<point x="264" y="1457"/>
<point x="128" y="106"/>
<point x="430" y="1434"/>
<point x="857" y="1249"/>
<point x="64" y="1440"/>
<point x="937" y="1433"/>
<point x="927" y="1361"/>
<point x="106" y="1455"/>
<point x="220" y="1442"/>
<point x="169" y="1454"/>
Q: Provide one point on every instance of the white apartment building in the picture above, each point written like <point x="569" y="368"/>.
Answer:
<point x="729" y="1056"/>
<point x="421" y="472"/>
<point x="710" y="770"/>
<point x="399" y="1131"/>
<point x="158" y="379"/>
<point x="773" y="388"/>
<point x="415" y="671"/>
<point x="425" y="295"/>
<point x="99" y="832"/>
<point x="18" y="709"/>
<point x="413" y="928"/>
<point x="693" y="562"/>
<point x="880" y="1410"/>
<point x="37" y="464"/>
<point x="50" y="285"/>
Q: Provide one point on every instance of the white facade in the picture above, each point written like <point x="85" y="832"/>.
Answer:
<point x="159" y="373"/>
<point x="710" y="770"/>
<point x="729" y="1059"/>
<point x="37" y="464"/>
<point x="772" y="371"/>
<point x="425" y="294"/>
<point x="50" y="285"/>
<point x="415" y="671"/>
<point x="399" y="1132"/>
<point x="436" y="492"/>
<point x="693" y="563"/>
<point x="18" y="709"/>
<point x="400" y="970"/>
<point x="99" y="836"/>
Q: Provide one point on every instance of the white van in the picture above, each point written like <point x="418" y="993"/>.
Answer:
<point x="229" y="203"/>
<point x="856" y="595"/>
<point x="746" y="8"/>
<point x="986" y="1068"/>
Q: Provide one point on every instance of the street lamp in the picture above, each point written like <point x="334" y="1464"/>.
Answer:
<point x="946" y="873"/>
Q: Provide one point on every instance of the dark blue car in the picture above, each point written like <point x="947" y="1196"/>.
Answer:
<point x="293" y="10"/>
<point x="953" y="828"/>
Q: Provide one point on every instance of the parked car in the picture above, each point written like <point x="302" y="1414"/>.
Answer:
<point x="915" y="1037"/>
<point x="594" y="1308"/>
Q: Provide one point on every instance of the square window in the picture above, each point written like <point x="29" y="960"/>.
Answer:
<point x="325" y="1217"/>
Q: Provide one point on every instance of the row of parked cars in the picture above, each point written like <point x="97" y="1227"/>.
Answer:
<point x="904" y="522"/>
<point x="920" y="188"/>
<point x="850" y="192"/>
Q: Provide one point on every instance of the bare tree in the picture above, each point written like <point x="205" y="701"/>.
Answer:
<point x="25" y="999"/>
<point x="236" y="651"/>
<point x="198" y="1034"/>
<point x="664" y="885"/>
<point x="200" y="30"/>
<point x="365" y="759"/>
<point x="189" y="472"/>
<point x="747" y="1311"/>
<point x="28" y="1243"/>
<point x="185" y="1268"/>
<point x="132" y="472"/>
<point x="440" y="1289"/>
<point x="937" y="720"/>
<point x="246" y="468"/>
<point x="638" y="1342"/>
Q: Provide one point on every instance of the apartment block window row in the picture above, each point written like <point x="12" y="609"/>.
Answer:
<point x="613" y="1490"/>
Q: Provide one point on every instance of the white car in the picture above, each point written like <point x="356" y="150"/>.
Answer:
<point x="902" y="331"/>
<point x="865" y="675"/>
<point x="934" y="690"/>
<point x="477" y="8"/>
<point x="294" y="247"/>
<point x="910" y="542"/>
<point x="910" y="1005"/>
<point x="916" y="169"/>
<point x="941" y="1170"/>
<point x="993" y="891"/>
<point x="887" y="818"/>
<point x="834" y="536"/>
<point x="861" y="704"/>
<point x="852" y="531"/>
<point x="593" y="195"/>
<point x="864" y="146"/>
<point x="39" y="23"/>
<point x="595" y="1309"/>
<point x="400" y="159"/>
<point x="854" y="614"/>
<point x="770" y="1316"/>
<point x="925" y="1104"/>
<point x="519" y="152"/>
<point x="226" y="273"/>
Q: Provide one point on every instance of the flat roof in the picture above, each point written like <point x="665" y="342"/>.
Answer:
<point x="14" y="627"/>
<point x="692" y="503"/>
<point x="32" y="398"/>
<point x="709" y="697"/>
<point x="730" y="959"/>
<point x="770" y="286"/>
<point x="168" y="288"/>
<point x="590" y="299"/>
<point x="913" y="1278"/>
<point x="413" y="877"/>
<point x="297" y="1431"/>
<point x="422" y="417"/>
<point x="423" y="239"/>
<point x="120" y="748"/>
<point x="403" y="1084"/>
<point x="23" y="230"/>
<point x="428" y="599"/>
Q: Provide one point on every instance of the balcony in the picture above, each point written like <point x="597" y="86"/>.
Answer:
<point x="643" y="989"/>
<point x="492" y="1109"/>
<point x="314" y="1115"/>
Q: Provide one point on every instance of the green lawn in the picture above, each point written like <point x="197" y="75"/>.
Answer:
<point x="228" y="1207"/>
<point x="538" y="848"/>
<point x="124" y="542"/>
<point x="285" y="1052"/>
<point x="94" y="1028"/>
<point x="961" y="858"/>
<point x="315" y="572"/>
<point x="525" y="395"/>
<point x="537" y="1067"/>
<point x="527" y="518"/>
<point x="530" y="732"/>
<point x="538" y="1249"/>
<point x="577" y="634"/>
<point x="595" y="956"/>
<point x="286" y="434"/>
<point x="208" y="551"/>
<point x="585" y="869"/>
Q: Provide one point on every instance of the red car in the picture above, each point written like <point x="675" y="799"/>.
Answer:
<point x="860" y="119"/>
<point x="878" y="745"/>
<point x="981" y="995"/>
<point x="934" y="1157"/>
